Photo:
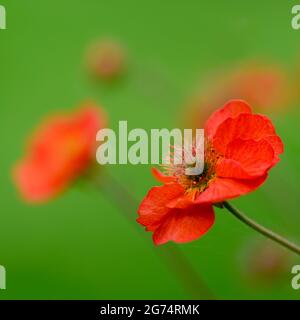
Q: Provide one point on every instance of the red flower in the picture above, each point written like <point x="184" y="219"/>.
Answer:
<point x="61" y="149"/>
<point x="106" y="59"/>
<point x="240" y="148"/>
<point x="266" y="87"/>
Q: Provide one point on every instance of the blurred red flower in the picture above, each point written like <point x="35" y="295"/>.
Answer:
<point x="106" y="59"/>
<point x="240" y="148"/>
<point x="266" y="87"/>
<point x="60" y="150"/>
<point x="264" y="262"/>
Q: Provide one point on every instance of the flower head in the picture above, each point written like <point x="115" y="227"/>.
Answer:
<point x="266" y="87"/>
<point x="265" y="262"/>
<point x="240" y="148"/>
<point x="59" y="151"/>
<point x="106" y="59"/>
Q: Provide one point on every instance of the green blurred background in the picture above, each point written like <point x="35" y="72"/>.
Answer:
<point x="79" y="246"/>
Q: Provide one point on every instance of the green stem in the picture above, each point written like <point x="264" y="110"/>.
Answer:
<point x="264" y="231"/>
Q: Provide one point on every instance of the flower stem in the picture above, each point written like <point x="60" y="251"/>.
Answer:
<point x="264" y="231"/>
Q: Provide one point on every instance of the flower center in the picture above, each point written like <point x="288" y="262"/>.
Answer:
<point x="195" y="184"/>
<point x="198" y="183"/>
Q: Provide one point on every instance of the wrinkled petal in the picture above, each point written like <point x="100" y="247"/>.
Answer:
<point x="231" y="110"/>
<point x="221" y="189"/>
<point x="229" y="168"/>
<point x="276" y="144"/>
<point x="154" y="206"/>
<point x="184" y="225"/>
<point x="246" y="127"/>
<point x="184" y="201"/>
<point x="246" y="159"/>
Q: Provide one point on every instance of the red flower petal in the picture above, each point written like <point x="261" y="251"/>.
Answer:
<point x="245" y="159"/>
<point x="231" y="110"/>
<point x="36" y="182"/>
<point x="276" y="143"/>
<point x="60" y="150"/>
<point x="184" y="225"/>
<point x="221" y="189"/>
<point x="154" y="206"/>
<point x="159" y="176"/>
<point x="229" y="168"/>
<point x="245" y="126"/>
